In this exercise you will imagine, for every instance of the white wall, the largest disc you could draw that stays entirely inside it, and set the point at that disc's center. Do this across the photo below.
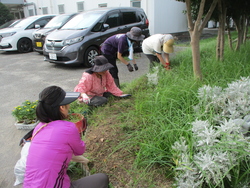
(165, 16)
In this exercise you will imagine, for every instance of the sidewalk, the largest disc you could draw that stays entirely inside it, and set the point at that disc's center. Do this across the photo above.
(184, 37)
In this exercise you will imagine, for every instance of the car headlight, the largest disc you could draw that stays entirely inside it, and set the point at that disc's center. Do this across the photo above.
(7, 34)
(73, 41)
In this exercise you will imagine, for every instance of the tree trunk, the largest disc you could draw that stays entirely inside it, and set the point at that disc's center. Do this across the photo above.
(195, 45)
(195, 29)
(238, 23)
(221, 31)
(245, 30)
(229, 34)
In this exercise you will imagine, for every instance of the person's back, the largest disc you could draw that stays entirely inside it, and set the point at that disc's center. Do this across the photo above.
(114, 44)
(53, 144)
(50, 153)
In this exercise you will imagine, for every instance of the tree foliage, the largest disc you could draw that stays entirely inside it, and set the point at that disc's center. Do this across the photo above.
(5, 14)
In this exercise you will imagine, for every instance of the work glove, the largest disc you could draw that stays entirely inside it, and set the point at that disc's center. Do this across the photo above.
(130, 68)
(167, 66)
(136, 67)
(85, 98)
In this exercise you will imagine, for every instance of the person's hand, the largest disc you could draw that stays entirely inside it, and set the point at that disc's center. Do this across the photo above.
(125, 95)
(167, 66)
(136, 67)
(85, 98)
(130, 68)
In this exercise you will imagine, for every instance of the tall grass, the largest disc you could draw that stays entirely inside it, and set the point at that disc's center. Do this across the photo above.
(164, 112)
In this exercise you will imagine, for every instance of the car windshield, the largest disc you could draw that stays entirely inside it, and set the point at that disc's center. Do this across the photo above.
(10, 23)
(57, 21)
(25, 22)
(83, 21)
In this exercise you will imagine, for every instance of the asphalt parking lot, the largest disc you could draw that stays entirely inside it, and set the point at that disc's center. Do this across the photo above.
(23, 76)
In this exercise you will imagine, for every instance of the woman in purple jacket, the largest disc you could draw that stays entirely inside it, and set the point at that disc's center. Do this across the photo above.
(54, 142)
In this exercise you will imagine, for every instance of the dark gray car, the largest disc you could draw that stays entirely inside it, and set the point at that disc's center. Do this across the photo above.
(79, 40)
(56, 23)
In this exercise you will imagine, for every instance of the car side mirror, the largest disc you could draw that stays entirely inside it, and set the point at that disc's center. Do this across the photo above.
(37, 26)
(105, 27)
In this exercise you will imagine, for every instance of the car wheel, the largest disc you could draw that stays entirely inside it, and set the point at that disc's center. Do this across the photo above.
(89, 56)
(24, 45)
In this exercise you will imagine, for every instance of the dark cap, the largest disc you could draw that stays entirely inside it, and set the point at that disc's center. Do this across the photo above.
(69, 97)
(56, 96)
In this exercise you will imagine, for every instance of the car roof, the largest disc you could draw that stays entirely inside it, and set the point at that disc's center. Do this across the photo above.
(107, 9)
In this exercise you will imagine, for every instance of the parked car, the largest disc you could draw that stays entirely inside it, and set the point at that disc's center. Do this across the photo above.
(79, 40)
(55, 23)
(10, 23)
(19, 37)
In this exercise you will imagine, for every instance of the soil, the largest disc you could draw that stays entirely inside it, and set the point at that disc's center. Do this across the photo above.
(102, 140)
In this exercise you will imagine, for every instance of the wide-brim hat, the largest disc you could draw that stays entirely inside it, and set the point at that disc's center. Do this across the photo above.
(135, 34)
(101, 64)
(168, 46)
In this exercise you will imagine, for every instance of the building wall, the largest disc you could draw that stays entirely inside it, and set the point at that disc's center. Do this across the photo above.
(165, 16)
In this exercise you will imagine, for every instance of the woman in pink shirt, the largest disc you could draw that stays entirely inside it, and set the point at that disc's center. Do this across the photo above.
(54, 142)
(97, 84)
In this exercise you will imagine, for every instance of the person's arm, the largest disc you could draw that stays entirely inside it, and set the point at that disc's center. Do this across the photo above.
(119, 56)
(83, 87)
(111, 86)
(74, 140)
(165, 62)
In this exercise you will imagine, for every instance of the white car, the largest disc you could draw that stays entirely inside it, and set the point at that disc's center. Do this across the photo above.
(19, 38)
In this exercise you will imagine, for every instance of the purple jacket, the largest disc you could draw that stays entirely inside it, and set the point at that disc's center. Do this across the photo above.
(50, 153)
(114, 44)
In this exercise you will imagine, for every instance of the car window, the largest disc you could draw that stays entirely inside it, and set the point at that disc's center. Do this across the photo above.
(83, 21)
(24, 22)
(41, 22)
(113, 20)
(129, 17)
(57, 21)
(97, 27)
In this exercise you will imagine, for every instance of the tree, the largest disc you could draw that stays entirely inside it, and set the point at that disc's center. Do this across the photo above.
(239, 12)
(198, 14)
(5, 14)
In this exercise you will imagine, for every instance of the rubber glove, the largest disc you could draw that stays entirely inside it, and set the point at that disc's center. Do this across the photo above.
(130, 68)
(136, 67)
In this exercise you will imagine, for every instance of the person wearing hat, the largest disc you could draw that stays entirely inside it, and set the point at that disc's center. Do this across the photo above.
(97, 84)
(54, 142)
(157, 49)
(114, 46)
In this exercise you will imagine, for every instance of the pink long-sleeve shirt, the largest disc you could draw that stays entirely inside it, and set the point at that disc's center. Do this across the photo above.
(50, 153)
(94, 86)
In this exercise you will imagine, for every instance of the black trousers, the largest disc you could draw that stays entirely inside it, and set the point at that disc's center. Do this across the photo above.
(153, 60)
(112, 60)
(99, 180)
(100, 100)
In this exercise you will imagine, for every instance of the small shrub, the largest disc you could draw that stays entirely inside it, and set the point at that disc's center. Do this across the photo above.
(26, 113)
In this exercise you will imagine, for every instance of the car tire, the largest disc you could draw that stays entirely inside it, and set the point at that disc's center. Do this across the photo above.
(89, 56)
(24, 45)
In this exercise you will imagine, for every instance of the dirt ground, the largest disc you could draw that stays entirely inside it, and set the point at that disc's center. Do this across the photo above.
(101, 140)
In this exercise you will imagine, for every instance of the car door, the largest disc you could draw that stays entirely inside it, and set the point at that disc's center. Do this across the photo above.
(113, 19)
(129, 19)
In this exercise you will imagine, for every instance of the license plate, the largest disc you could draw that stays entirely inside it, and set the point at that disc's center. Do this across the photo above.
(52, 56)
(38, 44)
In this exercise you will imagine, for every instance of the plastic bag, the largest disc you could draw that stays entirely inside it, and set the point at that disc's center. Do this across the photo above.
(19, 169)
